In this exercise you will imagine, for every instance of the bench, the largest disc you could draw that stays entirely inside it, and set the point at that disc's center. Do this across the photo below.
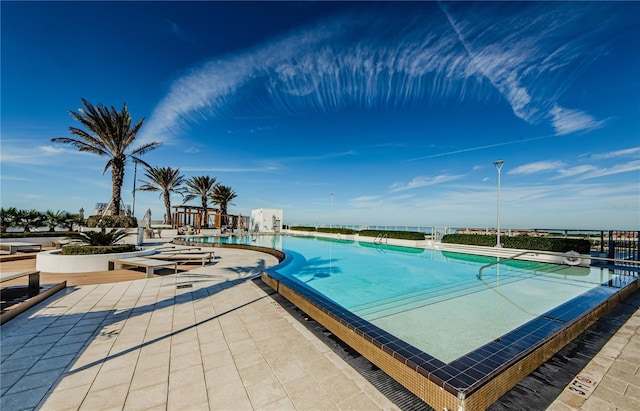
(14, 246)
(34, 279)
(149, 264)
(205, 257)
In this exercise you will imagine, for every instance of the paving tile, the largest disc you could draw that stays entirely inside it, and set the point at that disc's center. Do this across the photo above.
(228, 397)
(307, 395)
(66, 399)
(266, 393)
(23, 400)
(147, 397)
(33, 381)
(107, 399)
(283, 404)
(58, 363)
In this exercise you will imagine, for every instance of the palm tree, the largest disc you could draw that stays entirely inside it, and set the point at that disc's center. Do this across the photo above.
(109, 133)
(222, 196)
(200, 187)
(53, 219)
(29, 219)
(8, 218)
(166, 180)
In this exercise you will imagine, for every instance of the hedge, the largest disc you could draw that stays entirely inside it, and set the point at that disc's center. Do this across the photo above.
(302, 228)
(560, 245)
(38, 234)
(400, 235)
(89, 249)
(120, 221)
(336, 230)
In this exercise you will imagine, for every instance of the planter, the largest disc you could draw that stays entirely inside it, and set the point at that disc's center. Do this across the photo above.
(54, 262)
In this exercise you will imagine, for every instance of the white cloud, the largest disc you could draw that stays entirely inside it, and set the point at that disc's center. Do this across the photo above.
(422, 181)
(629, 152)
(574, 171)
(537, 167)
(566, 121)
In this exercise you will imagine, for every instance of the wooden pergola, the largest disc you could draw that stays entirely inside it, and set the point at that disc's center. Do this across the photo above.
(193, 216)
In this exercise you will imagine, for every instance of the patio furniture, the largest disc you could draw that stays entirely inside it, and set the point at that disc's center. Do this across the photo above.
(14, 246)
(149, 264)
(34, 279)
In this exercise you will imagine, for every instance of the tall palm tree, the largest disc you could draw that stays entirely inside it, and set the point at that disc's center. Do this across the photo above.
(200, 186)
(167, 180)
(222, 196)
(109, 133)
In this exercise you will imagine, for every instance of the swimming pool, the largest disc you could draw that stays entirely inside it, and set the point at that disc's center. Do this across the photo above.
(425, 318)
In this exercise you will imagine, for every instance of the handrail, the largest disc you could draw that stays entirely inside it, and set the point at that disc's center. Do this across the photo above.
(513, 257)
(498, 261)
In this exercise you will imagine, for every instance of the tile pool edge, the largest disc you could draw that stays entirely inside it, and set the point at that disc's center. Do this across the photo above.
(426, 384)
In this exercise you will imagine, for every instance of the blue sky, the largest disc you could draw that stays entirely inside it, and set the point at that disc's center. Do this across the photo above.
(400, 109)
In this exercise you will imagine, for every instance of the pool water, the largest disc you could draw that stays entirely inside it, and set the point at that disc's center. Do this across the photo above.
(430, 299)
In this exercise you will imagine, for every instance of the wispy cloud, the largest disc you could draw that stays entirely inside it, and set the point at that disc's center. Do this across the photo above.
(566, 121)
(537, 167)
(355, 61)
(632, 166)
(422, 181)
(263, 169)
(629, 152)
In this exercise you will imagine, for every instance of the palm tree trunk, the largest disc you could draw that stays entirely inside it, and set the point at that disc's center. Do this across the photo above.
(117, 177)
(205, 223)
(167, 207)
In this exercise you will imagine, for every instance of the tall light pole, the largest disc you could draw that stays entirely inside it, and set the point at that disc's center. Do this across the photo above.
(498, 165)
(331, 215)
(135, 172)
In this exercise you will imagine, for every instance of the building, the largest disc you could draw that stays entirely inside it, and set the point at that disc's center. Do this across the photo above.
(266, 220)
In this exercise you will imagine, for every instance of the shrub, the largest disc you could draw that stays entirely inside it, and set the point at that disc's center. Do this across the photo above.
(121, 221)
(336, 230)
(103, 238)
(302, 228)
(89, 250)
(400, 235)
(560, 245)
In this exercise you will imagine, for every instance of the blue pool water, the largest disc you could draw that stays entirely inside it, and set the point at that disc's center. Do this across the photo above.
(433, 300)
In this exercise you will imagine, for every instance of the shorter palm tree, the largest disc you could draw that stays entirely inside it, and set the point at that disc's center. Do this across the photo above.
(166, 180)
(222, 196)
(53, 219)
(29, 219)
(200, 186)
(8, 218)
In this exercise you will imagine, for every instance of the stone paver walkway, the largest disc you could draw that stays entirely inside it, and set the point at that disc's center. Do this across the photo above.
(611, 380)
(221, 344)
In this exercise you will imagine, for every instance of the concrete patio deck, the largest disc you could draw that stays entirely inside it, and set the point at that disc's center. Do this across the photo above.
(223, 343)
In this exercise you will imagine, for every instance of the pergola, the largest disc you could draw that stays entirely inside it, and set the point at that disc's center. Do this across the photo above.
(193, 216)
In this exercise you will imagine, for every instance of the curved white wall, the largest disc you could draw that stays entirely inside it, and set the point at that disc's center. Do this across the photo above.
(54, 262)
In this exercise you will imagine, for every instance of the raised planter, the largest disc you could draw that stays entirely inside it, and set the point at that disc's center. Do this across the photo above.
(54, 262)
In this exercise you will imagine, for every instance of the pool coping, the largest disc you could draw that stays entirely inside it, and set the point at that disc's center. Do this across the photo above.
(477, 379)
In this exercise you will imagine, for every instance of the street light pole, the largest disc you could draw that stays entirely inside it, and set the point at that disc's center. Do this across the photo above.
(135, 172)
(498, 165)
(331, 216)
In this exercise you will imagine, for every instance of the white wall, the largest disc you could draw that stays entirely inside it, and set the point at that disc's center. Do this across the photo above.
(266, 220)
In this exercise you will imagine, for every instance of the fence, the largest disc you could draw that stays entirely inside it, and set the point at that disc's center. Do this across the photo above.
(617, 244)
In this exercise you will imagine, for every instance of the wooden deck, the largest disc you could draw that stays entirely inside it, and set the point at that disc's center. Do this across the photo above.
(96, 277)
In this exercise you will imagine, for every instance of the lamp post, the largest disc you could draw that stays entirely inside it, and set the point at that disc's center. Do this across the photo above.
(498, 165)
(331, 215)
(135, 172)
